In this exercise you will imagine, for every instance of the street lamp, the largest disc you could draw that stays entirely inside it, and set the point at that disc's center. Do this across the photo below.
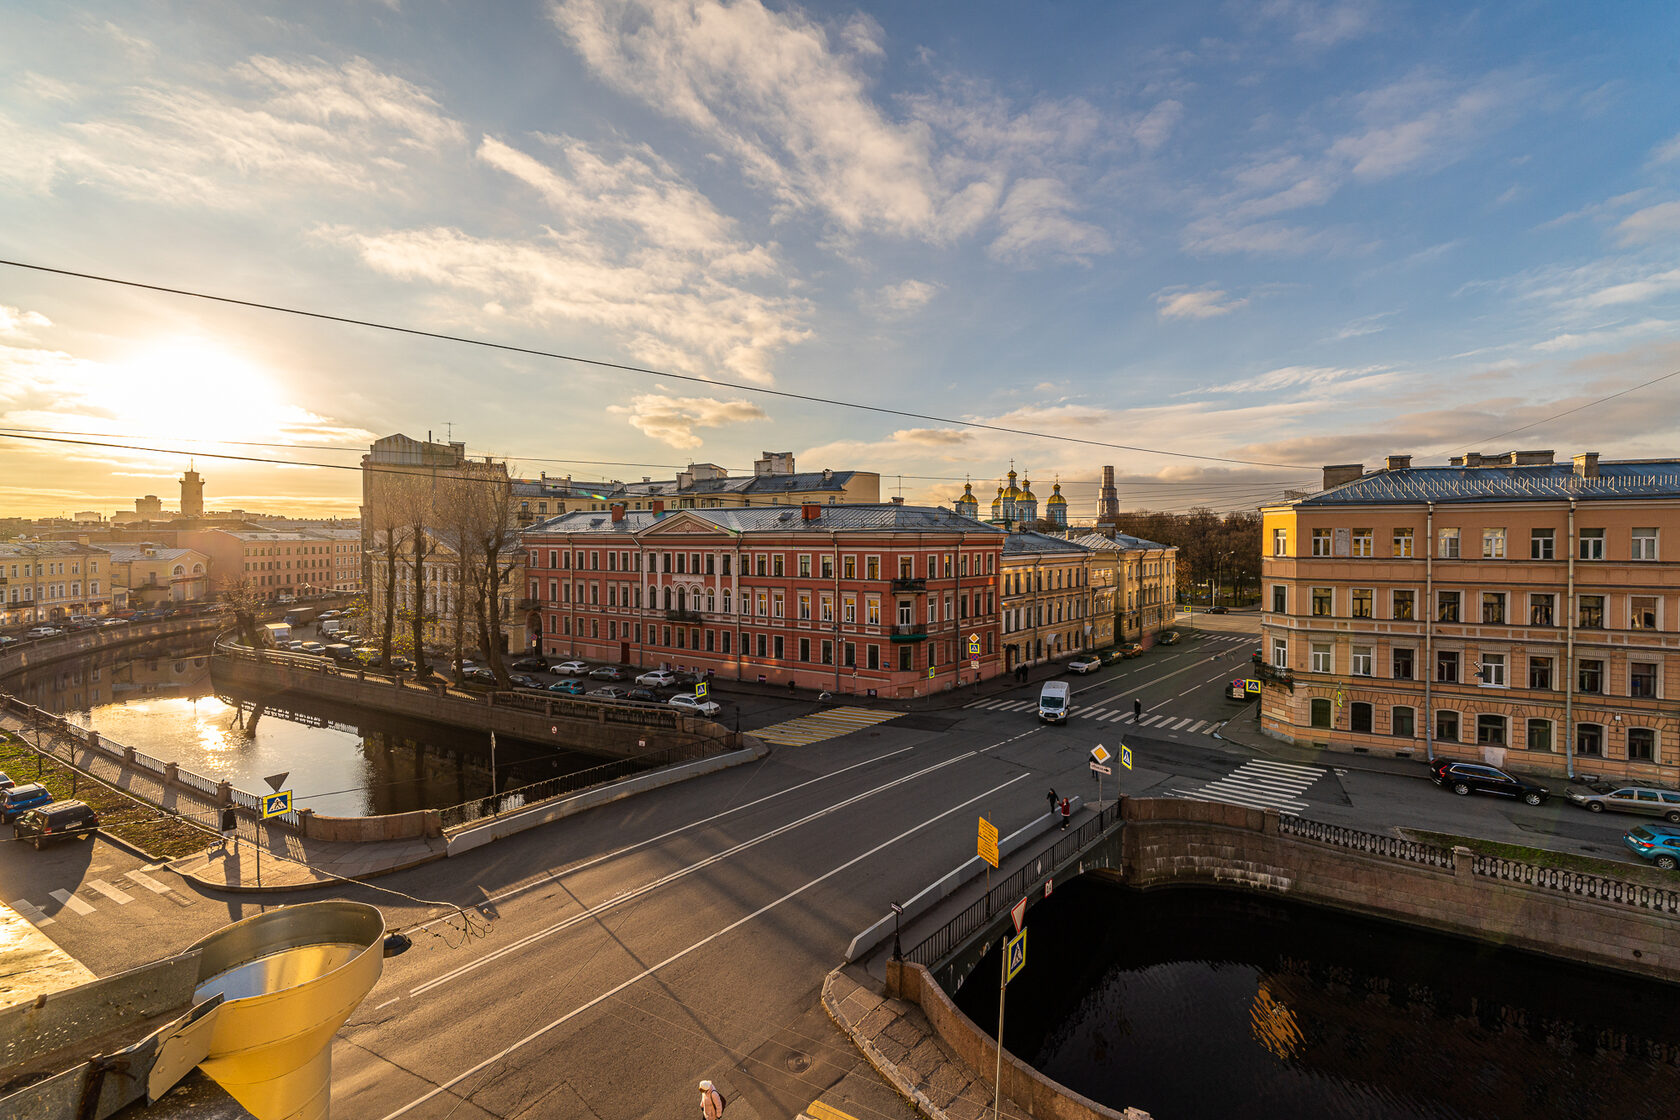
(898, 950)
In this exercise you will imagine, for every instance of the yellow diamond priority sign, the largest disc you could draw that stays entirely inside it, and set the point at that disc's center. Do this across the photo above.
(1100, 754)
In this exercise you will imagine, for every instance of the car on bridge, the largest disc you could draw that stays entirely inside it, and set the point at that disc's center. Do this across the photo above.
(1657, 843)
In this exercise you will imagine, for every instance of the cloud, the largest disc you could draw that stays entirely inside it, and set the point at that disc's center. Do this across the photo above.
(1668, 151)
(1650, 224)
(1582, 340)
(1322, 25)
(1367, 324)
(1316, 378)
(1424, 123)
(1204, 303)
(1036, 218)
(1635, 291)
(932, 437)
(904, 297)
(16, 322)
(672, 420)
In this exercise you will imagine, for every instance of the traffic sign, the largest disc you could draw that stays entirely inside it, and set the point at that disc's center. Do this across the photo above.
(1015, 956)
(1125, 756)
(1018, 914)
(987, 843)
(974, 645)
(274, 804)
(1252, 686)
(931, 671)
(700, 690)
(275, 781)
(974, 664)
(1100, 754)
(1047, 883)
(1099, 768)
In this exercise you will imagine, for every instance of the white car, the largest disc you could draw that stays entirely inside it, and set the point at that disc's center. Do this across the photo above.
(1084, 665)
(44, 632)
(571, 668)
(686, 703)
(657, 678)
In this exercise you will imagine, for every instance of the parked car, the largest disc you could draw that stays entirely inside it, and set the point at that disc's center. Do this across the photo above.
(607, 673)
(1655, 842)
(1219, 610)
(62, 820)
(1084, 665)
(530, 665)
(27, 796)
(6, 781)
(567, 687)
(1664, 803)
(43, 632)
(641, 694)
(1168, 638)
(312, 647)
(339, 651)
(658, 678)
(520, 680)
(1465, 778)
(694, 704)
(1131, 649)
(113, 622)
(328, 615)
(401, 663)
(572, 668)
(482, 676)
(1111, 656)
(607, 692)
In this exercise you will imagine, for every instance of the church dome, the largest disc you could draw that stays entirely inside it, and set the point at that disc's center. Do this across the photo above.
(1056, 498)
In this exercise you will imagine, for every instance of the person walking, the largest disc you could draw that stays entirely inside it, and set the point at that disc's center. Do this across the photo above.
(1067, 813)
(1052, 796)
(711, 1102)
(1137, 709)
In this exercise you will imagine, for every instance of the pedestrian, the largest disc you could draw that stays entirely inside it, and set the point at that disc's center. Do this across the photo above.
(1067, 813)
(711, 1102)
(1137, 709)
(1052, 796)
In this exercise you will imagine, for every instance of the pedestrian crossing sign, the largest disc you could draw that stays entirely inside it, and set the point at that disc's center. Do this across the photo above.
(1015, 958)
(274, 804)
(700, 690)
(1125, 756)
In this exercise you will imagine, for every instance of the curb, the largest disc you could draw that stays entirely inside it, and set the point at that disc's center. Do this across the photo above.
(901, 1085)
(242, 888)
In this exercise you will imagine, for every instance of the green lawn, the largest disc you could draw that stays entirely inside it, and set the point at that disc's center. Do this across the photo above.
(1544, 857)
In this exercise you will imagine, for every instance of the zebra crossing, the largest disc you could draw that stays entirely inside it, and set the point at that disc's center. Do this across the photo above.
(1160, 721)
(818, 726)
(1261, 784)
(94, 894)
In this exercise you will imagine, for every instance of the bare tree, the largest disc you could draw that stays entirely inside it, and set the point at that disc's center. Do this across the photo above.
(489, 549)
(246, 601)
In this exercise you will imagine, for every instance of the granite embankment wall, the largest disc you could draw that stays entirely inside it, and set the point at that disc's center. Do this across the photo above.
(65, 647)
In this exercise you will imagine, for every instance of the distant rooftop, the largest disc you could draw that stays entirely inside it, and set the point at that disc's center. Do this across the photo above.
(775, 519)
(1512, 476)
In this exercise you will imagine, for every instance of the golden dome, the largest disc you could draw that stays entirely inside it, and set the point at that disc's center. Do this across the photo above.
(1012, 491)
(1056, 498)
(1026, 494)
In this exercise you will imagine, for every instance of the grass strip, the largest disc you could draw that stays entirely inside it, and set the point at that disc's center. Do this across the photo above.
(1541, 857)
(144, 825)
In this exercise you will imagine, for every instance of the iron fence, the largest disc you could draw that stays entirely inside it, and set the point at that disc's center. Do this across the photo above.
(198, 781)
(147, 762)
(1600, 887)
(564, 785)
(1372, 843)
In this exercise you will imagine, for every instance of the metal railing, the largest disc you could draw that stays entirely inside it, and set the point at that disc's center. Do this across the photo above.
(1603, 888)
(947, 938)
(198, 781)
(147, 762)
(564, 785)
(1372, 843)
(909, 583)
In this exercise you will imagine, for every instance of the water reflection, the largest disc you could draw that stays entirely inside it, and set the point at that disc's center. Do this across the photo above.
(1196, 1004)
(159, 699)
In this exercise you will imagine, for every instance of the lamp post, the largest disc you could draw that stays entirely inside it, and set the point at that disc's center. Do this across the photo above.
(898, 950)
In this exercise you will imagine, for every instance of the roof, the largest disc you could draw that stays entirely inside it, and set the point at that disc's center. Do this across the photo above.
(774, 519)
(769, 485)
(127, 552)
(1021, 544)
(1631, 478)
(1120, 542)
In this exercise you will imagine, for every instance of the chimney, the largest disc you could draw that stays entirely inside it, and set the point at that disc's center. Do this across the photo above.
(658, 507)
(617, 512)
(1586, 465)
(1345, 472)
(1397, 463)
(1532, 458)
(898, 499)
(810, 511)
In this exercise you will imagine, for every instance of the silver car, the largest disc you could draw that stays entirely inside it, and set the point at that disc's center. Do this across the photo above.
(1664, 803)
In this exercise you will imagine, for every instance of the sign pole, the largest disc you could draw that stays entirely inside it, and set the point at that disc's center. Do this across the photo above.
(997, 1073)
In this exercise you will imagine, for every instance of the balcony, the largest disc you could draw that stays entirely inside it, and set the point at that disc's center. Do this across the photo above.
(682, 614)
(912, 632)
(529, 604)
(909, 583)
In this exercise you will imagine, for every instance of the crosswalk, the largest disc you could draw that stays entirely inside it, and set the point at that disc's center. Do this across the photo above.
(1160, 721)
(94, 895)
(818, 726)
(1261, 784)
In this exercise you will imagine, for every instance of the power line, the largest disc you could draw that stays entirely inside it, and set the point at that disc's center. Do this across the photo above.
(599, 363)
(1569, 411)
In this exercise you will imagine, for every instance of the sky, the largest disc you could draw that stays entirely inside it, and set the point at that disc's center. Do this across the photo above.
(1231, 241)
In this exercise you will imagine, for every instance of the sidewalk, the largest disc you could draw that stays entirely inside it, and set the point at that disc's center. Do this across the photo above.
(291, 863)
(1244, 731)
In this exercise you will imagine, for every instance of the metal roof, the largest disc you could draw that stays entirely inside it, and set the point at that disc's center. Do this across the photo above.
(1120, 542)
(1020, 544)
(775, 519)
(1636, 478)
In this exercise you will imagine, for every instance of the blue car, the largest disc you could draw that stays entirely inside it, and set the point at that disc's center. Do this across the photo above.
(568, 688)
(1656, 843)
(27, 796)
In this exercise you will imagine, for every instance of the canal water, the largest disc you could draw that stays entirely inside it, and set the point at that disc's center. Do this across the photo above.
(1197, 1004)
(158, 698)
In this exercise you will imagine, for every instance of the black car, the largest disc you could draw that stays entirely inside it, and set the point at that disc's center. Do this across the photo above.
(641, 694)
(62, 820)
(520, 680)
(1218, 610)
(1465, 778)
(531, 665)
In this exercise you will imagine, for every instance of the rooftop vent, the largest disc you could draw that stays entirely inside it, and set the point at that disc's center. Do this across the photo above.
(1397, 463)
(1344, 472)
(1586, 465)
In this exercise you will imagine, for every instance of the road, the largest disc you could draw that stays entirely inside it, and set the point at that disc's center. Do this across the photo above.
(617, 957)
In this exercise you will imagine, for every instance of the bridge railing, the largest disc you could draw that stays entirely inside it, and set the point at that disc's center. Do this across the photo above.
(563, 785)
(1372, 843)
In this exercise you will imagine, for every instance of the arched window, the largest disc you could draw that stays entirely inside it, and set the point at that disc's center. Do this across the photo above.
(711, 602)
(178, 571)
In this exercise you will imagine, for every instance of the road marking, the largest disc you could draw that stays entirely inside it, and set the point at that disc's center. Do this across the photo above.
(1196, 728)
(1261, 784)
(702, 943)
(388, 1003)
(1181, 725)
(74, 903)
(34, 913)
(148, 882)
(1147, 720)
(819, 726)
(817, 1110)
(120, 897)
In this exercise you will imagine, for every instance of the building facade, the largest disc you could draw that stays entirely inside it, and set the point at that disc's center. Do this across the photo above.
(851, 598)
(1504, 608)
(152, 575)
(1049, 609)
(1145, 579)
(51, 581)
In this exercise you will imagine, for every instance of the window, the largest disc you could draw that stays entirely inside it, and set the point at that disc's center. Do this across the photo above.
(1492, 669)
(1280, 653)
(828, 567)
(1493, 544)
(1401, 722)
(1589, 675)
(1542, 544)
(1591, 616)
(1321, 713)
(1644, 544)
(805, 573)
(1321, 657)
(1449, 544)
(1592, 544)
(1446, 606)
(1361, 666)
(1280, 599)
(1359, 717)
(776, 564)
(1540, 609)
(1405, 604)
(848, 609)
(1361, 607)
(1362, 539)
(1539, 734)
(1280, 542)
(1493, 606)
(848, 567)
(805, 605)
(1642, 679)
(1589, 740)
(1403, 542)
(1401, 659)
(1642, 744)
(1539, 672)
(804, 649)
(1321, 542)
(1446, 666)
(1446, 727)
(1321, 600)
(872, 570)
(1490, 731)
(1642, 612)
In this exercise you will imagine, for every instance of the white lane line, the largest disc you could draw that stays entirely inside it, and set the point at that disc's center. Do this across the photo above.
(1313, 772)
(1116, 716)
(1180, 725)
(148, 882)
(1098, 713)
(388, 1003)
(707, 940)
(32, 912)
(74, 903)
(120, 897)
(1147, 720)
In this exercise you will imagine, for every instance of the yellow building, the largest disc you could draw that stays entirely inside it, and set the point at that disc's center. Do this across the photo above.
(151, 575)
(51, 581)
(1145, 579)
(1048, 600)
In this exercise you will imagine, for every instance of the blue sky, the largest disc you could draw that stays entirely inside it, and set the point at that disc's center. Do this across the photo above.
(1287, 233)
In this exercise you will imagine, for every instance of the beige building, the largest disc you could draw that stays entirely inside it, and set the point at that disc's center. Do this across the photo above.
(1503, 608)
(445, 608)
(1047, 597)
(1146, 581)
(51, 581)
(151, 575)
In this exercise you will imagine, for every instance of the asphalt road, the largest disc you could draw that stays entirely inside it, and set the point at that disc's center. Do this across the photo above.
(615, 958)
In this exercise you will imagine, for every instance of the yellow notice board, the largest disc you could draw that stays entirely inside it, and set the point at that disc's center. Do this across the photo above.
(988, 842)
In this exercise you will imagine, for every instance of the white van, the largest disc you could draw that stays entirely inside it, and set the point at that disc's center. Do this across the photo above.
(330, 626)
(1054, 702)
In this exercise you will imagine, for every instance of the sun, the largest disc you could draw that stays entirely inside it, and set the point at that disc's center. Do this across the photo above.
(194, 389)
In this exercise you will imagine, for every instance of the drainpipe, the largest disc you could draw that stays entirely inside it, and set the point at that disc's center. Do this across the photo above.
(835, 607)
(1568, 606)
(1429, 633)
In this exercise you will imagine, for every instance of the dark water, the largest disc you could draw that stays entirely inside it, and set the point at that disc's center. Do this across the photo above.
(158, 698)
(1214, 1005)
